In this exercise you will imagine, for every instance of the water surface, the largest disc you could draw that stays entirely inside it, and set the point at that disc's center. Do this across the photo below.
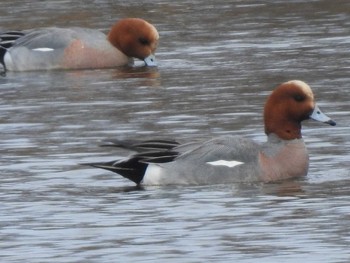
(218, 62)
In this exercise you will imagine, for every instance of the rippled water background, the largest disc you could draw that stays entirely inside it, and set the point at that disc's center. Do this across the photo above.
(218, 61)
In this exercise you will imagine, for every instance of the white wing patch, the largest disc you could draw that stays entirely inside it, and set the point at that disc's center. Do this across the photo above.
(225, 163)
(43, 49)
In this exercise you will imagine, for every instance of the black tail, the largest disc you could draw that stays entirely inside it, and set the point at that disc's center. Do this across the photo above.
(134, 168)
(7, 39)
(131, 169)
(2, 62)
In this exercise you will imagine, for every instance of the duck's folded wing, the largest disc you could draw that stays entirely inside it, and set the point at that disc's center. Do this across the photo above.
(223, 148)
(46, 38)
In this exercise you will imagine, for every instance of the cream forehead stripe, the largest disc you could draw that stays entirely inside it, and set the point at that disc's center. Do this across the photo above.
(155, 32)
(225, 163)
(303, 86)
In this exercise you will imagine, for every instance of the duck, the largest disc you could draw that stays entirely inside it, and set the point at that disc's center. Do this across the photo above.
(79, 48)
(229, 158)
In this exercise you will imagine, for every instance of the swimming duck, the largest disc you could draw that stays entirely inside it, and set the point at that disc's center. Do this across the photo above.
(79, 48)
(229, 158)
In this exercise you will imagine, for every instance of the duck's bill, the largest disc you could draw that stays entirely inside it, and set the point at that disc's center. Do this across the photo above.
(150, 61)
(318, 115)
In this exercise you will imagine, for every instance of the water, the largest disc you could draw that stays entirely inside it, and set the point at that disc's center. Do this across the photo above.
(218, 61)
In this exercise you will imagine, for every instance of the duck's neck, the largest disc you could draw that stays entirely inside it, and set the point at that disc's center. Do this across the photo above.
(284, 129)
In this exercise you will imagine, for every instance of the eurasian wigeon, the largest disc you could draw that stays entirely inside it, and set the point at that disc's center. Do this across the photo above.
(79, 48)
(228, 158)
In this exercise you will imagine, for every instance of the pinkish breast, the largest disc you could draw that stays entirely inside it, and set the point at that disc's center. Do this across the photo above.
(290, 160)
(79, 55)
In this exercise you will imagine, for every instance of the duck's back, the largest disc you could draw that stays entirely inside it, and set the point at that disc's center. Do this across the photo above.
(226, 159)
(66, 48)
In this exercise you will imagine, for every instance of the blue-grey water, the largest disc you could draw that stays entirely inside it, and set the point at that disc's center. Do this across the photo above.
(218, 61)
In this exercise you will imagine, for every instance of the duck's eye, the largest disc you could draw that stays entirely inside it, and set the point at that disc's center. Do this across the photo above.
(299, 98)
(144, 41)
